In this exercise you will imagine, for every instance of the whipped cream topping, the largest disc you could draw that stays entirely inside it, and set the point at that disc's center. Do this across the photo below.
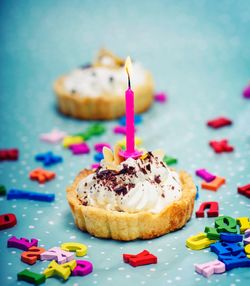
(94, 81)
(138, 185)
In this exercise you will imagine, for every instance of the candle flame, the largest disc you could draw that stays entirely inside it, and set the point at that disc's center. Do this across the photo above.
(128, 66)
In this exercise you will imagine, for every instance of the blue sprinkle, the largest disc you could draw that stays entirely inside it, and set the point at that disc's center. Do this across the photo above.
(22, 194)
(98, 157)
(197, 193)
(48, 158)
(138, 120)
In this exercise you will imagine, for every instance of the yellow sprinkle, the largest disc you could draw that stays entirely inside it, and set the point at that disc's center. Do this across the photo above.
(144, 156)
(122, 142)
(70, 140)
(79, 248)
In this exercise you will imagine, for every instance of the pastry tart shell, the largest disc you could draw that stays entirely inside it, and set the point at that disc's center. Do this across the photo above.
(104, 106)
(130, 226)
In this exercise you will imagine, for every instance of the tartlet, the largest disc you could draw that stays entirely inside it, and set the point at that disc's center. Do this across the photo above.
(96, 91)
(126, 225)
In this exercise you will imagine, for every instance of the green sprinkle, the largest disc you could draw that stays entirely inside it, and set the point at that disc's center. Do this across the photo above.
(31, 277)
(169, 160)
(2, 190)
(85, 136)
(212, 233)
(96, 129)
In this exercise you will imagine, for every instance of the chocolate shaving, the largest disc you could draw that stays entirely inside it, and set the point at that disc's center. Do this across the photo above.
(106, 174)
(121, 191)
(131, 185)
(127, 170)
(157, 179)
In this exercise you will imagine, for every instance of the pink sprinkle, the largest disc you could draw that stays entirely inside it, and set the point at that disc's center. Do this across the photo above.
(54, 136)
(99, 146)
(246, 92)
(81, 148)
(95, 166)
(160, 97)
(204, 174)
(120, 130)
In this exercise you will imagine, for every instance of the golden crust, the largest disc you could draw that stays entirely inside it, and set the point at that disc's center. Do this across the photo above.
(127, 226)
(105, 106)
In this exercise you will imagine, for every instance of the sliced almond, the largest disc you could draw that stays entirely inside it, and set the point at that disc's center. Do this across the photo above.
(107, 154)
(159, 153)
(117, 158)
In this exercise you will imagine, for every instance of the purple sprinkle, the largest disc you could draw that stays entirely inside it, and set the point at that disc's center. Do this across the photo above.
(120, 130)
(204, 174)
(99, 146)
(81, 148)
(160, 97)
(95, 166)
(246, 92)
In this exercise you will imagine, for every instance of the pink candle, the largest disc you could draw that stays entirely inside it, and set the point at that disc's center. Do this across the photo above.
(130, 124)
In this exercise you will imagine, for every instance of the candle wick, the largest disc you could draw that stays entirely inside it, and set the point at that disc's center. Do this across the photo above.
(129, 84)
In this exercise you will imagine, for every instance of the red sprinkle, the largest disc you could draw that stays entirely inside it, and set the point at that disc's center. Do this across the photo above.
(213, 209)
(7, 221)
(219, 122)
(9, 154)
(221, 146)
(244, 190)
(142, 258)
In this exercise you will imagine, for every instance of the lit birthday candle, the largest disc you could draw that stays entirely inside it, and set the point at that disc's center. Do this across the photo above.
(130, 124)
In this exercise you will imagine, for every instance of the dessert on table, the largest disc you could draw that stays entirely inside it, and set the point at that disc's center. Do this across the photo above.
(134, 198)
(96, 91)
(133, 194)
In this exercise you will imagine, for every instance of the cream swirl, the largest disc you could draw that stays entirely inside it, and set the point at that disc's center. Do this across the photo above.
(138, 185)
(94, 81)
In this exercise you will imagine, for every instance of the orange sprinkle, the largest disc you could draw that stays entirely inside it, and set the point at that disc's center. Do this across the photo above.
(213, 185)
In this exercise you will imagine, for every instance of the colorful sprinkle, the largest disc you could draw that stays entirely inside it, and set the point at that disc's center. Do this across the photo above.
(81, 148)
(160, 97)
(48, 158)
(246, 92)
(219, 122)
(54, 136)
(99, 146)
(9, 154)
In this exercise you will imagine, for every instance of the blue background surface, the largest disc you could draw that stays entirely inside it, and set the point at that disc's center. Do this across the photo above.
(198, 51)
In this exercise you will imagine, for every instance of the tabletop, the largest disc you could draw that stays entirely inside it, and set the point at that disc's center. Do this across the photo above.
(198, 52)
